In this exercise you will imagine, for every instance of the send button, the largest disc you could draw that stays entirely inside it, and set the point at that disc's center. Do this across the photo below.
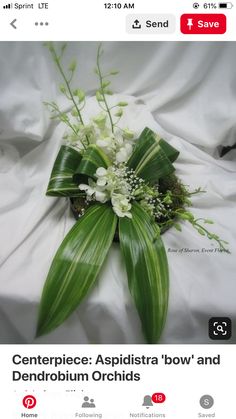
(150, 24)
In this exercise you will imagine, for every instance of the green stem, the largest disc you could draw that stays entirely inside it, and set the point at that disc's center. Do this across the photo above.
(196, 192)
(115, 125)
(118, 120)
(196, 225)
(57, 61)
(60, 114)
(104, 109)
(102, 90)
(83, 106)
(67, 82)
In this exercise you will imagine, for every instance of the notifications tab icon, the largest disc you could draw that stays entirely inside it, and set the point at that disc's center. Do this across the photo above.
(203, 24)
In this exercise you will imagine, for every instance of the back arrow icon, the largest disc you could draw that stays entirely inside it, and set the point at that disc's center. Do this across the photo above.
(13, 23)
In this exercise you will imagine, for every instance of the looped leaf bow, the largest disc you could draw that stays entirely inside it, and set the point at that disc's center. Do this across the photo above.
(78, 261)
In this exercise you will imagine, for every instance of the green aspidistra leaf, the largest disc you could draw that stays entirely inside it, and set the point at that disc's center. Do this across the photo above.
(169, 150)
(75, 266)
(61, 180)
(148, 159)
(93, 158)
(147, 270)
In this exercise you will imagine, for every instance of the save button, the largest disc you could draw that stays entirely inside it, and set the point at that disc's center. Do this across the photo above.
(203, 24)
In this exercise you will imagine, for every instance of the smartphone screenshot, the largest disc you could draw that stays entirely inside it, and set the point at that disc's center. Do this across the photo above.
(117, 211)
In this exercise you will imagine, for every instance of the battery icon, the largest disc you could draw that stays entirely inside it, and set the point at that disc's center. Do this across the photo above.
(227, 5)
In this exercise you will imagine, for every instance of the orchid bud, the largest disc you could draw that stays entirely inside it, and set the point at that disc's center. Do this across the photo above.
(74, 112)
(108, 92)
(128, 134)
(114, 72)
(80, 94)
(72, 66)
(100, 120)
(119, 113)
(122, 104)
(62, 88)
(106, 83)
(99, 97)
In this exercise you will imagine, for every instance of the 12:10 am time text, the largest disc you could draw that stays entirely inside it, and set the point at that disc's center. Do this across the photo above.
(119, 5)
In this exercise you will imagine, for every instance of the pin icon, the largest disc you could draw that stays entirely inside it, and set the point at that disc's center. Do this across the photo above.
(29, 402)
(190, 24)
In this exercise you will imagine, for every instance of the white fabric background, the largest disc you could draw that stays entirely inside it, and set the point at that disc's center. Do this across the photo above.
(184, 91)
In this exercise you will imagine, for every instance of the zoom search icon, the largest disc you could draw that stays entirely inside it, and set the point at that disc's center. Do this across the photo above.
(29, 402)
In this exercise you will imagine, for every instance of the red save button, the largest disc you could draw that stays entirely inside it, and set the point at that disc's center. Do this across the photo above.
(203, 24)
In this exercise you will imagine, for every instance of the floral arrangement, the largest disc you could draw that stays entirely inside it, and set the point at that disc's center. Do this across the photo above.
(121, 188)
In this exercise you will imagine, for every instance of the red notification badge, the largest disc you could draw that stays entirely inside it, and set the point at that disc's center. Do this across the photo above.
(158, 398)
(203, 24)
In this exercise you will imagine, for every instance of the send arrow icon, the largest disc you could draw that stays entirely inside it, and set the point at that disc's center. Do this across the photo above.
(136, 24)
(13, 23)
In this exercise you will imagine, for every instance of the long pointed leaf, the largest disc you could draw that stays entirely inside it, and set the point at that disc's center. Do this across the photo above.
(76, 265)
(147, 270)
(169, 150)
(93, 158)
(149, 159)
(61, 180)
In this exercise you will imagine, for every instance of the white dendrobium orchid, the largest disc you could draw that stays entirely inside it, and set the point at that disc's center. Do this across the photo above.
(121, 205)
(107, 144)
(101, 171)
(119, 140)
(100, 120)
(101, 196)
(94, 190)
(110, 185)
(87, 188)
(116, 143)
(124, 153)
(101, 174)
